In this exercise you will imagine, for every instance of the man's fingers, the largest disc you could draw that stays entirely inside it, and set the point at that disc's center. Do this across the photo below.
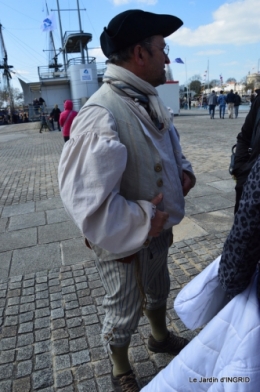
(157, 199)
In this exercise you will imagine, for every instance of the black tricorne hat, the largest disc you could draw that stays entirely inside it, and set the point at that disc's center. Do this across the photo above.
(132, 26)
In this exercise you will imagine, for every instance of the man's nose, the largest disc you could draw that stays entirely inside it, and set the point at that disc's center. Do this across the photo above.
(167, 60)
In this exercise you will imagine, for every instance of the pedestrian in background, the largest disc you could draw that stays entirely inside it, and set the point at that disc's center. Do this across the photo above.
(231, 102)
(237, 102)
(55, 116)
(222, 100)
(212, 102)
(66, 118)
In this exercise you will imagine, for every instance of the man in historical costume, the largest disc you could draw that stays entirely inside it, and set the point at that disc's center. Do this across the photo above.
(123, 179)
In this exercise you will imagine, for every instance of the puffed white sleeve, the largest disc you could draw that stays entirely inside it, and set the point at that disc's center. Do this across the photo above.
(90, 170)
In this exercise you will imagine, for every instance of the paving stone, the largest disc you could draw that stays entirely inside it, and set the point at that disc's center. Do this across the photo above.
(74, 322)
(41, 347)
(17, 240)
(80, 357)
(42, 294)
(26, 327)
(22, 385)
(6, 386)
(84, 372)
(5, 258)
(25, 339)
(25, 221)
(62, 361)
(64, 378)
(49, 204)
(76, 332)
(57, 215)
(18, 209)
(69, 388)
(58, 232)
(75, 251)
(43, 361)
(3, 224)
(28, 316)
(42, 312)
(69, 289)
(7, 356)
(42, 303)
(56, 296)
(57, 313)
(8, 343)
(24, 308)
(42, 378)
(60, 334)
(102, 367)
(56, 304)
(58, 323)
(90, 319)
(27, 298)
(87, 386)
(24, 353)
(12, 310)
(61, 346)
(99, 353)
(24, 369)
(78, 344)
(6, 371)
(44, 256)
(42, 334)
(104, 384)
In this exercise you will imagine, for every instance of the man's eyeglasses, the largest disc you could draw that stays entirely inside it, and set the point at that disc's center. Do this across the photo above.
(165, 49)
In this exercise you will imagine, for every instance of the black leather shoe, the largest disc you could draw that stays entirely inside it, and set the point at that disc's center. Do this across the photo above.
(125, 382)
(172, 344)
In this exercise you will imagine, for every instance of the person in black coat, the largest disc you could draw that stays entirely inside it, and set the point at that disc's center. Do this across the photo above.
(55, 116)
(230, 101)
(241, 165)
(237, 102)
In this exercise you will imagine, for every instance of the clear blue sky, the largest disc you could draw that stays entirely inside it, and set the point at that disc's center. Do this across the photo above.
(223, 34)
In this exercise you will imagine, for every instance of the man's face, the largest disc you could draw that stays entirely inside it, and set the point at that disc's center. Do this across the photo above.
(155, 64)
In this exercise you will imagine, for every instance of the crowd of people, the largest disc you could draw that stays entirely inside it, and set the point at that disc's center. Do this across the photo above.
(231, 101)
(63, 119)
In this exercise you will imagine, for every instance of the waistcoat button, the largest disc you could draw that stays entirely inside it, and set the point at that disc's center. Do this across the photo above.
(159, 182)
(147, 242)
(158, 167)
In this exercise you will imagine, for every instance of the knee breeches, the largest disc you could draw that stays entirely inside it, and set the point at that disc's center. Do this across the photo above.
(126, 285)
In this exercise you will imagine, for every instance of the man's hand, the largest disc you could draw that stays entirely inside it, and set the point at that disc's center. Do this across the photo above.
(159, 219)
(186, 183)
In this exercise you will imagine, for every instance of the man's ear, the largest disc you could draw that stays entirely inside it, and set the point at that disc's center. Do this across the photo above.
(139, 54)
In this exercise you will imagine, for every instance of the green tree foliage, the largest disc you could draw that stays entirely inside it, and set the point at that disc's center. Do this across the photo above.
(195, 86)
(231, 80)
(16, 94)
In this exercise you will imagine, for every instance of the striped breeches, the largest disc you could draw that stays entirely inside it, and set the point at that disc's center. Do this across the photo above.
(126, 285)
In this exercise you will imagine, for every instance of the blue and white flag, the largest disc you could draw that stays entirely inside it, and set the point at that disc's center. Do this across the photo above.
(179, 61)
(49, 23)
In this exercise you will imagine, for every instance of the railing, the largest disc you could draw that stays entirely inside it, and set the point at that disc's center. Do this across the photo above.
(49, 73)
(79, 60)
(101, 69)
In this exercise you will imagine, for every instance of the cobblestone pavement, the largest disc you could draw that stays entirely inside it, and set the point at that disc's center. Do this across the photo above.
(50, 292)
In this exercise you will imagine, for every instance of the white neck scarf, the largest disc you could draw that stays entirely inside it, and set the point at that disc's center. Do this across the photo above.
(136, 87)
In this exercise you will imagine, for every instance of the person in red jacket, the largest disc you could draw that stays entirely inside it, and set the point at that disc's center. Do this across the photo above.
(66, 118)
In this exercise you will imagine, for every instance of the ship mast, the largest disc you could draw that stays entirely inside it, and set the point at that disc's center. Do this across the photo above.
(6, 73)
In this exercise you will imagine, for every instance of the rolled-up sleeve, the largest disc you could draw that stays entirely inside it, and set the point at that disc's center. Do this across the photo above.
(90, 170)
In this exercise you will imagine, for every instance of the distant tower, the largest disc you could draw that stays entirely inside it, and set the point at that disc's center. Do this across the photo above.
(169, 76)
